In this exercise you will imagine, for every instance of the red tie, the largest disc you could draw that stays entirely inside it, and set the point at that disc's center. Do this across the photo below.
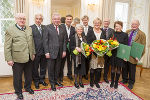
(57, 29)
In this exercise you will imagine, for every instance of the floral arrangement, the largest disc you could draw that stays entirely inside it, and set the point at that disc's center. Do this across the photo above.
(113, 44)
(85, 49)
(100, 47)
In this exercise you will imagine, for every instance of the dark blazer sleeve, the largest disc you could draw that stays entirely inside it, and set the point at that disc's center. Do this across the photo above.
(125, 38)
(45, 40)
(103, 35)
(72, 43)
(64, 42)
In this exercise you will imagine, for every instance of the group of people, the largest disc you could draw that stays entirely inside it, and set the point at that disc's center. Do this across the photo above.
(34, 49)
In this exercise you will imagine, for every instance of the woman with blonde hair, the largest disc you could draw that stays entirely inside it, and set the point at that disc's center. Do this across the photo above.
(97, 63)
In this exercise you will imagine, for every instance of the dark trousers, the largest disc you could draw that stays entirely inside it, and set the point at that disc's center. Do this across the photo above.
(95, 75)
(18, 69)
(87, 64)
(69, 65)
(39, 61)
(128, 72)
(106, 66)
(53, 69)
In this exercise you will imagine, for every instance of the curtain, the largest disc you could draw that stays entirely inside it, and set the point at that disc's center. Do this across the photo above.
(146, 58)
(44, 9)
(107, 8)
(20, 6)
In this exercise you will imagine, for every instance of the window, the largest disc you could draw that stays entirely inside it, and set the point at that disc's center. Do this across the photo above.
(7, 8)
(121, 13)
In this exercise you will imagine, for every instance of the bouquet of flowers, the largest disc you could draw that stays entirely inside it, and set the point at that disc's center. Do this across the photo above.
(85, 49)
(113, 44)
(100, 47)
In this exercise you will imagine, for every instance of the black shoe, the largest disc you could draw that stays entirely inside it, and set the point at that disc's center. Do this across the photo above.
(59, 84)
(19, 96)
(116, 85)
(53, 87)
(106, 80)
(97, 85)
(36, 85)
(70, 77)
(30, 91)
(76, 85)
(81, 84)
(43, 83)
(85, 77)
(61, 79)
(91, 84)
(124, 82)
(130, 86)
(112, 84)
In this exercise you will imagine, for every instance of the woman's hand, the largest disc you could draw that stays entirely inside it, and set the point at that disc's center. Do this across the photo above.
(78, 49)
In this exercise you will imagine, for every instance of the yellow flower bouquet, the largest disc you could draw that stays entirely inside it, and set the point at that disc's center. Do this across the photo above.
(86, 49)
(100, 47)
(113, 44)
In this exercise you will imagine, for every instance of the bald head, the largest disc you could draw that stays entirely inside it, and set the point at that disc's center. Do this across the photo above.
(135, 24)
(106, 22)
(20, 19)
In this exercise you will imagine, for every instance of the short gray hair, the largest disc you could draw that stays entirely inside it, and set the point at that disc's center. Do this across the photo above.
(20, 15)
(56, 14)
(79, 26)
(39, 15)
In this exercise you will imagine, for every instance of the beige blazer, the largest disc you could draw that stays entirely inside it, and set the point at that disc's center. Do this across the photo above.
(140, 38)
(18, 45)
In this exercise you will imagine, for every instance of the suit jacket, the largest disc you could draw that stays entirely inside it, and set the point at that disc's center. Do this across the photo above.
(19, 45)
(103, 36)
(140, 38)
(110, 33)
(38, 39)
(54, 43)
(72, 32)
(89, 35)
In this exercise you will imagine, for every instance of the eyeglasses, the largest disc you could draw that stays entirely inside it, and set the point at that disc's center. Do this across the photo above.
(21, 18)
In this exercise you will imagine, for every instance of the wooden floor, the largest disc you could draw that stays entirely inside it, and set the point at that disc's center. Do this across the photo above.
(141, 87)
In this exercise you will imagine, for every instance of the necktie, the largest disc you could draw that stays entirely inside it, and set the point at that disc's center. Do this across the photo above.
(106, 32)
(130, 38)
(57, 29)
(85, 30)
(40, 30)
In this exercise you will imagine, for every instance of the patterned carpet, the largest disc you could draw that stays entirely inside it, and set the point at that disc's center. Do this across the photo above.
(71, 93)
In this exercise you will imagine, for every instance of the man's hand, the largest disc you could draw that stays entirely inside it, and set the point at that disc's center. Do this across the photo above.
(64, 54)
(33, 57)
(10, 63)
(47, 55)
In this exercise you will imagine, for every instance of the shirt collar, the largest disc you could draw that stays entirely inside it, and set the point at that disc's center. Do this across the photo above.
(67, 26)
(19, 27)
(38, 25)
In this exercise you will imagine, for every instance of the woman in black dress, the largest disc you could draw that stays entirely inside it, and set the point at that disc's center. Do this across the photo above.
(79, 60)
(117, 63)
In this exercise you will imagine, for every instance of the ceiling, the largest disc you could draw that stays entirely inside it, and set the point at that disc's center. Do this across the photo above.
(65, 2)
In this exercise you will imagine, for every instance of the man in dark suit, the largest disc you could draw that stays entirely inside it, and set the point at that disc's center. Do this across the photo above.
(89, 33)
(69, 30)
(40, 59)
(55, 49)
(19, 52)
(109, 33)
